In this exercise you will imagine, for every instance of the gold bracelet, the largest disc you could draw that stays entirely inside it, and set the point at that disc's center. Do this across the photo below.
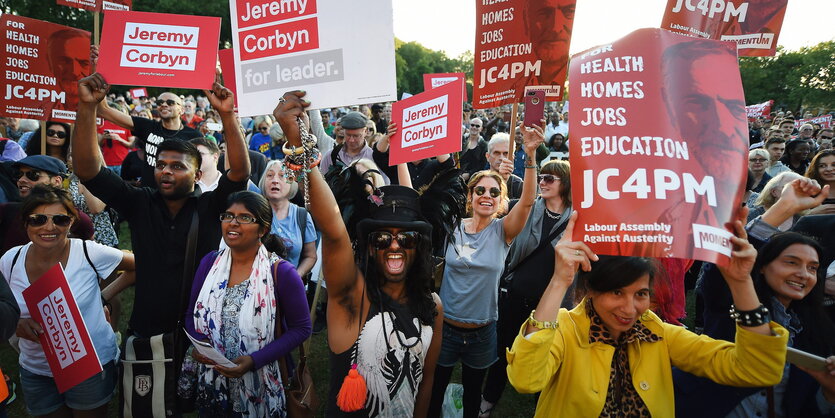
(542, 324)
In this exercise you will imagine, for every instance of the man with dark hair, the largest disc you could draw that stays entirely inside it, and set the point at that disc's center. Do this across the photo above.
(776, 146)
(380, 122)
(162, 220)
(150, 133)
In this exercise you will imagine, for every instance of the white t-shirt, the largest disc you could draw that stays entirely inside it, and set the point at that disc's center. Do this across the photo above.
(85, 288)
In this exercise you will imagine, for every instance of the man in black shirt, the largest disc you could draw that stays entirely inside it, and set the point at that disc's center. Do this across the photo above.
(149, 133)
(160, 219)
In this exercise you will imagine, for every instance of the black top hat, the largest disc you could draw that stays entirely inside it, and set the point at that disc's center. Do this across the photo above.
(394, 207)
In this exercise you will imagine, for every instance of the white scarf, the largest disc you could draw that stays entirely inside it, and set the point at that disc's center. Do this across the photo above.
(256, 321)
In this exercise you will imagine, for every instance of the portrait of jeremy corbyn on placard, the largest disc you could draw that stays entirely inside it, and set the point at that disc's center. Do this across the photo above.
(548, 24)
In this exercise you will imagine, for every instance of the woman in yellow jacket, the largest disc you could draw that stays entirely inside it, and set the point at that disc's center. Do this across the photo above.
(611, 356)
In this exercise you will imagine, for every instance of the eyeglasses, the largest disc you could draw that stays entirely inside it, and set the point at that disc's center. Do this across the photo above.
(475, 126)
(264, 128)
(57, 134)
(242, 219)
(168, 102)
(31, 175)
(494, 191)
(826, 137)
(382, 239)
(757, 160)
(41, 219)
(547, 178)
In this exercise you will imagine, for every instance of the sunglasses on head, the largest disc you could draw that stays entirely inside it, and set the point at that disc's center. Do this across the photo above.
(57, 134)
(494, 191)
(168, 102)
(31, 175)
(40, 220)
(547, 178)
(242, 219)
(407, 240)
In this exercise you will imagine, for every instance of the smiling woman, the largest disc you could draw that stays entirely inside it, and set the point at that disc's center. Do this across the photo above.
(48, 213)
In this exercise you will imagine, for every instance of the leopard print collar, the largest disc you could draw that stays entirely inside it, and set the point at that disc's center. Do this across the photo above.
(599, 333)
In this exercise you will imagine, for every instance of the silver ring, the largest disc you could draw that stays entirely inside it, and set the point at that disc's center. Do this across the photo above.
(576, 252)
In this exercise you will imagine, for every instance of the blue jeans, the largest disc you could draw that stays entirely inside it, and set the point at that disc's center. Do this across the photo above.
(475, 348)
(41, 394)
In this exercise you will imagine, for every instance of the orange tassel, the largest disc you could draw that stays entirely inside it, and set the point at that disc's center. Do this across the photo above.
(352, 394)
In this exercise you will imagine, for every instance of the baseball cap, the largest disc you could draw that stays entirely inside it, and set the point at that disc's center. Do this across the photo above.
(353, 120)
(45, 163)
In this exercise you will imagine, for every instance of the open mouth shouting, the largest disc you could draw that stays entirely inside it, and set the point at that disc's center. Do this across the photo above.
(395, 263)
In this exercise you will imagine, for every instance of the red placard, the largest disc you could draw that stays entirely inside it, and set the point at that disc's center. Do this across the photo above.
(825, 121)
(520, 43)
(431, 81)
(140, 92)
(65, 340)
(428, 124)
(41, 65)
(226, 57)
(660, 145)
(759, 110)
(97, 5)
(753, 25)
(157, 49)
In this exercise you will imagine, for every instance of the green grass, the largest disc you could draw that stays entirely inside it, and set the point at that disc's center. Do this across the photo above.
(512, 404)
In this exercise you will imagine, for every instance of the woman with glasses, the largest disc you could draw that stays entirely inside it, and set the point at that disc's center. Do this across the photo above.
(474, 262)
(242, 298)
(529, 266)
(48, 213)
(57, 141)
(758, 163)
(260, 140)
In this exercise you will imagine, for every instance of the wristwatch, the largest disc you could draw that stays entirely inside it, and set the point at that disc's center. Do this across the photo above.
(542, 324)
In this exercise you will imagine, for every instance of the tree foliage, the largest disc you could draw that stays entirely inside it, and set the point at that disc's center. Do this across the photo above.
(413, 60)
(793, 79)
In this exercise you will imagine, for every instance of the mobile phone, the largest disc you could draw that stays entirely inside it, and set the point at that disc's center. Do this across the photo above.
(807, 360)
(534, 107)
(214, 126)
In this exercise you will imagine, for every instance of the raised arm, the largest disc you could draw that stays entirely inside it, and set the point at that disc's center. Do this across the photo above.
(223, 101)
(798, 195)
(87, 158)
(323, 140)
(515, 220)
(338, 267)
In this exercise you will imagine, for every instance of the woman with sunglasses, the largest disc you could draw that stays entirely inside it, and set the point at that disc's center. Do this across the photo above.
(474, 262)
(47, 214)
(241, 299)
(260, 140)
(528, 269)
(57, 141)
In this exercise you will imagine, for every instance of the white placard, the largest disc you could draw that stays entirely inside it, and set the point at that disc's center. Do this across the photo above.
(313, 45)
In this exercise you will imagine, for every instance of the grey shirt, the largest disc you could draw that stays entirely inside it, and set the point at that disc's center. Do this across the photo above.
(474, 263)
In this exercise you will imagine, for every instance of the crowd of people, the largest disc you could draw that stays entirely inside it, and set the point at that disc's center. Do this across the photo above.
(462, 258)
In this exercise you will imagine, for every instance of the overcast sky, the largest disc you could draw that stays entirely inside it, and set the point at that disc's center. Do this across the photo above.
(449, 25)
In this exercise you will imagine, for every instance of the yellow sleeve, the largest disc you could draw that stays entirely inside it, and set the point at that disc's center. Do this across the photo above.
(533, 361)
(755, 360)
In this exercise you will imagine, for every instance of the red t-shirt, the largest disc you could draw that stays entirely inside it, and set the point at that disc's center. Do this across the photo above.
(114, 152)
